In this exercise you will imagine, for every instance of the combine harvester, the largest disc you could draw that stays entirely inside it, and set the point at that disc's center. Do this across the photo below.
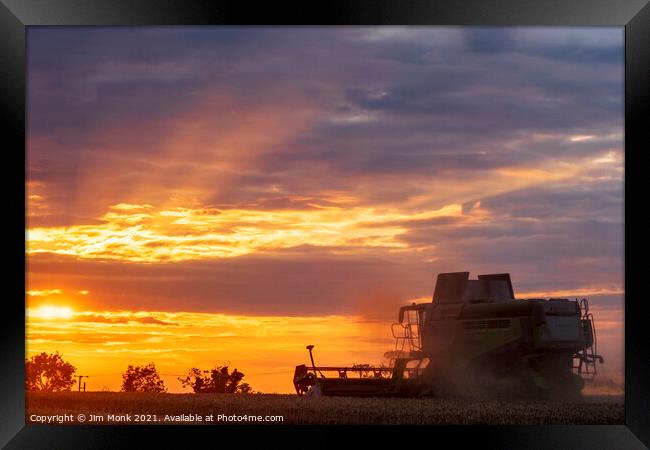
(474, 335)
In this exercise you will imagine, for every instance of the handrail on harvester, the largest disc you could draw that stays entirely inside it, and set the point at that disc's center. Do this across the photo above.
(342, 370)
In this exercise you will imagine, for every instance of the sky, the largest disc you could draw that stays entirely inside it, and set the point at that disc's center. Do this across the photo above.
(204, 195)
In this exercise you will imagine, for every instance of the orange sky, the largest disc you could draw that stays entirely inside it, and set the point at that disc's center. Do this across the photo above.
(202, 196)
(265, 348)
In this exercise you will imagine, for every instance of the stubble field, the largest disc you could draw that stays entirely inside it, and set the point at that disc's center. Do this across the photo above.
(98, 408)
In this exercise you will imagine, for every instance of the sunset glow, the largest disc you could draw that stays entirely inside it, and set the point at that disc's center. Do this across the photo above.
(263, 347)
(51, 312)
(141, 234)
(201, 196)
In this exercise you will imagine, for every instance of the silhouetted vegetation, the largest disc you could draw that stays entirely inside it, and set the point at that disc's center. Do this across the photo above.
(48, 372)
(142, 379)
(217, 380)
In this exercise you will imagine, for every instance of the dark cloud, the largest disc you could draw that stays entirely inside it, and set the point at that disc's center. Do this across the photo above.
(586, 201)
(109, 102)
(490, 40)
(292, 283)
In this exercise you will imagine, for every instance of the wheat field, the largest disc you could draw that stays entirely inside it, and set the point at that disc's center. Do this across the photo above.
(165, 409)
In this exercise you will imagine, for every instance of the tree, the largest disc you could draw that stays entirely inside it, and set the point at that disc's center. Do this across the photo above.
(142, 379)
(48, 372)
(217, 380)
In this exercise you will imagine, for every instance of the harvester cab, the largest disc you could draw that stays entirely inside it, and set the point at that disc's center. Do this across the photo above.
(473, 327)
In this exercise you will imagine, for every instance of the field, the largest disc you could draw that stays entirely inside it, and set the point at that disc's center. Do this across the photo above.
(166, 409)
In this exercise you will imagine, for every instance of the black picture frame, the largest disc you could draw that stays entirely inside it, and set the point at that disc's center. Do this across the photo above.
(16, 15)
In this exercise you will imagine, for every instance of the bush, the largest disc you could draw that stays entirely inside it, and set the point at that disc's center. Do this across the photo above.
(142, 379)
(217, 380)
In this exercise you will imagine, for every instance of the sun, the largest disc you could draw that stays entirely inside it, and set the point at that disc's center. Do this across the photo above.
(52, 312)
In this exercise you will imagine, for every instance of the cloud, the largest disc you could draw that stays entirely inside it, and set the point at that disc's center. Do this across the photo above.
(43, 292)
(140, 233)
(308, 160)
(490, 40)
(221, 115)
(123, 319)
(316, 282)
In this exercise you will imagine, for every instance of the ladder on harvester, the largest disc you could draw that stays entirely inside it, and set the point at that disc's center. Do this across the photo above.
(407, 332)
(584, 360)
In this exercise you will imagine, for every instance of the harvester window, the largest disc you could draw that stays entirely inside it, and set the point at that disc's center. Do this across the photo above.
(415, 367)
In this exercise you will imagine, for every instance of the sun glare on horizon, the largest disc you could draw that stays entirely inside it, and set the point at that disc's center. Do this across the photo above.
(51, 312)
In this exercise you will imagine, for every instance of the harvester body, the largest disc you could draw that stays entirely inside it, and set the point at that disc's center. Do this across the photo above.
(473, 335)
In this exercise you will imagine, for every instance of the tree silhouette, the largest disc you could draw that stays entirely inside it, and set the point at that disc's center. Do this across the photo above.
(48, 372)
(217, 380)
(142, 379)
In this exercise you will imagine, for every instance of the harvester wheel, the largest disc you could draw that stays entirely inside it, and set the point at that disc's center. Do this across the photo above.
(534, 384)
(562, 384)
(303, 384)
(570, 389)
(315, 391)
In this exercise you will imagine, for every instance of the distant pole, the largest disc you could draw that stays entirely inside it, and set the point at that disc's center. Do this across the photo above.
(80, 377)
